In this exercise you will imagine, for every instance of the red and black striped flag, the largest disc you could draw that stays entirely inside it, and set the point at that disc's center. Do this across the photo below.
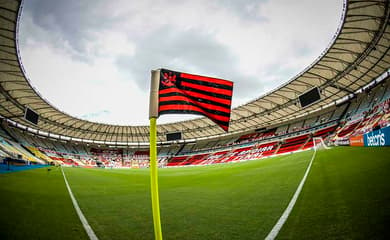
(193, 94)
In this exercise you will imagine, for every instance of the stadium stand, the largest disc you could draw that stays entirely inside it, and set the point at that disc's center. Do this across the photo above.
(177, 160)
(366, 111)
(293, 144)
(369, 109)
(17, 151)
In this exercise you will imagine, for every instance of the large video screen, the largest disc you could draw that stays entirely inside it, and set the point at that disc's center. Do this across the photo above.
(174, 136)
(31, 116)
(309, 97)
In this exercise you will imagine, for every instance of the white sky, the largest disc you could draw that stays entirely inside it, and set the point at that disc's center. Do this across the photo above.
(92, 59)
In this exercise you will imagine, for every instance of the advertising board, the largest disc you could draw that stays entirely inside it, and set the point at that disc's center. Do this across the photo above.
(377, 138)
(357, 141)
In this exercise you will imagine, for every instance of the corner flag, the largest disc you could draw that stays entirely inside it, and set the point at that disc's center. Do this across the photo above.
(193, 94)
(176, 92)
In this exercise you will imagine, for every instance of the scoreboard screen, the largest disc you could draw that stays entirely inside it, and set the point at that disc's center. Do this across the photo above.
(31, 116)
(174, 136)
(309, 97)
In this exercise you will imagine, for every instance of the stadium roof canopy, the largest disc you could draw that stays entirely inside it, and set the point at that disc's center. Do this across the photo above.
(358, 54)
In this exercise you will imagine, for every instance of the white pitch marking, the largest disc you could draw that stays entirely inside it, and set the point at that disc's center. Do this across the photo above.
(275, 230)
(83, 220)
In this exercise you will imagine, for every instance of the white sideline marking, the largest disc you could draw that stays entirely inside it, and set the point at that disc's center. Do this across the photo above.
(275, 230)
(83, 220)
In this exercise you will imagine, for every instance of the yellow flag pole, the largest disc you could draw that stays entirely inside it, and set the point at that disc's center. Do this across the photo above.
(153, 114)
(154, 181)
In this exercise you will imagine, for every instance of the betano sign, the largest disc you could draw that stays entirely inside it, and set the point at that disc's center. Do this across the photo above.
(377, 138)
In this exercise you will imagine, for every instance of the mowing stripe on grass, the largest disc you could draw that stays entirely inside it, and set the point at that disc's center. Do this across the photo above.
(83, 220)
(278, 226)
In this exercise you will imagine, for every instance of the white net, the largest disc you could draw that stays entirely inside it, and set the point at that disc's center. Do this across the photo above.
(318, 143)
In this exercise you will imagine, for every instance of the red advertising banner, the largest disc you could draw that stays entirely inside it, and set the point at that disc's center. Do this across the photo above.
(357, 141)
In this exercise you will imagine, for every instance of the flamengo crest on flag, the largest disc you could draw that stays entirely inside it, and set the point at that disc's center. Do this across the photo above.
(192, 94)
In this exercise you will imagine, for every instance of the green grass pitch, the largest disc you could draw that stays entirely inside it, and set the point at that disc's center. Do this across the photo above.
(346, 196)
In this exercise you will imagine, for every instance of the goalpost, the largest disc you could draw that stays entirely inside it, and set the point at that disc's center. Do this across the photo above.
(318, 144)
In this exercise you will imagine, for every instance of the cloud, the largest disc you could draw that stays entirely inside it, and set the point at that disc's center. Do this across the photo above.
(190, 51)
(245, 9)
(100, 53)
(95, 115)
(69, 22)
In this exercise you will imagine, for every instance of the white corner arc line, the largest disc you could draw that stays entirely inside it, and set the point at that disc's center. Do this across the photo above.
(83, 220)
(278, 226)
